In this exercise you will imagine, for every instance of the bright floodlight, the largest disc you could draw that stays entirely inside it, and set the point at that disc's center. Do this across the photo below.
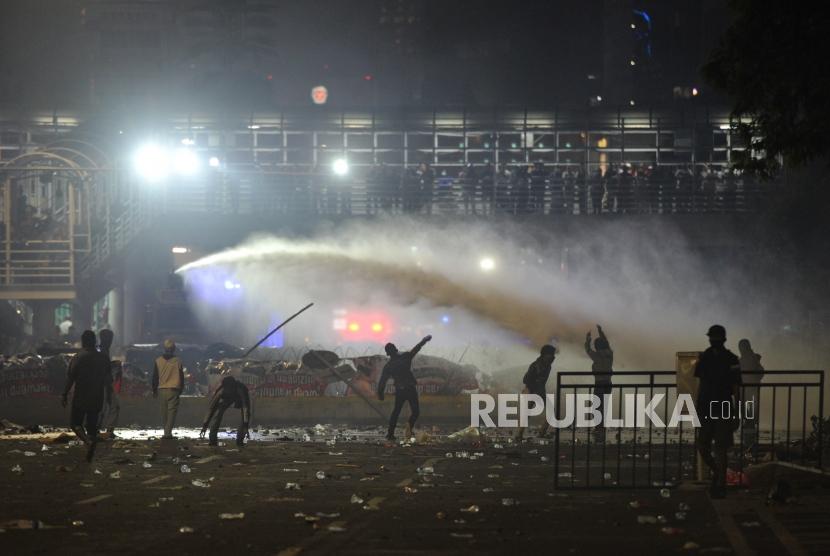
(151, 162)
(341, 167)
(180, 250)
(487, 264)
(186, 162)
(213, 162)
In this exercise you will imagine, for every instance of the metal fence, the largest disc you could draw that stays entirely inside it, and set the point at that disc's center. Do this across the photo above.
(781, 427)
(309, 195)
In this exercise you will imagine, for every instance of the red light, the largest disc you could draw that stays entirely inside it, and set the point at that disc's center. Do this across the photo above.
(319, 94)
(269, 77)
(354, 327)
(377, 327)
(367, 77)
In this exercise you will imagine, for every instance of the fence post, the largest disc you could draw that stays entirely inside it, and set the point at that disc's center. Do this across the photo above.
(821, 421)
(556, 433)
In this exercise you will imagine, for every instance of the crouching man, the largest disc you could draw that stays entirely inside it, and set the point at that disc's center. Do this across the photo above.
(231, 393)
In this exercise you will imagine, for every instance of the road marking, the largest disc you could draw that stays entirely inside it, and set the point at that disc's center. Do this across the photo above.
(375, 502)
(337, 526)
(730, 527)
(786, 538)
(405, 482)
(94, 499)
(207, 459)
(290, 551)
(155, 480)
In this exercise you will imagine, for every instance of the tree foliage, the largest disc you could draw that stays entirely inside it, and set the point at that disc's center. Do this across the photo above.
(774, 64)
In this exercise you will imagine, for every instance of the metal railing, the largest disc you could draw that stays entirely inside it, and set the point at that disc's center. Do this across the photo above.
(307, 196)
(37, 263)
(644, 456)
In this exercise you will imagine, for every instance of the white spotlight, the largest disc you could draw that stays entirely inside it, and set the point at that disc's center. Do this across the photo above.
(180, 250)
(213, 162)
(186, 162)
(487, 264)
(151, 162)
(340, 167)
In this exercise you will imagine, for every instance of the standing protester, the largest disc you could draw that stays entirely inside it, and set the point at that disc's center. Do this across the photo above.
(750, 363)
(399, 369)
(535, 380)
(168, 383)
(720, 380)
(109, 415)
(64, 327)
(89, 373)
(602, 357)
(231, 393)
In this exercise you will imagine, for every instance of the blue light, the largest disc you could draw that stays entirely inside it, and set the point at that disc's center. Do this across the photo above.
(213, 285)
(277, 340)
(445, 319)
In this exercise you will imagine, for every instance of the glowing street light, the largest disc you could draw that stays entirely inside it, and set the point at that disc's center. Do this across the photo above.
(180, 250)
(340, 167)
(185, 162)
(213, 162)
(487, 264)
(151, 162)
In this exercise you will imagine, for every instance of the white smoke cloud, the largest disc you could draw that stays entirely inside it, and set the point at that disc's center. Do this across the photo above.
(645, 284)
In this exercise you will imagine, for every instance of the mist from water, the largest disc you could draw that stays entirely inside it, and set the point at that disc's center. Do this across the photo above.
(651, 292)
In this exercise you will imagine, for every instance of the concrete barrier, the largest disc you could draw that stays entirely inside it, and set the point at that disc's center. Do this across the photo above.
(145, 412)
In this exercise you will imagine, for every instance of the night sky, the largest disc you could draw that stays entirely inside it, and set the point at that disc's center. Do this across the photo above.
(367, 52)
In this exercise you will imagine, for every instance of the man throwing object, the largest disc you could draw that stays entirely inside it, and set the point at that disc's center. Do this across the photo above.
(399, 368)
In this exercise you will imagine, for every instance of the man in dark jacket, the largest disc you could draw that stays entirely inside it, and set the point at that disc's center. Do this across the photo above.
(536, 379)
(719, 371)
(602, 357)
(89, 373)
(399, 369)
(231, 393)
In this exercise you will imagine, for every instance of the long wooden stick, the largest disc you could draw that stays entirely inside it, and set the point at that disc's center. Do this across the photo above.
(349, 383)
(286, 321)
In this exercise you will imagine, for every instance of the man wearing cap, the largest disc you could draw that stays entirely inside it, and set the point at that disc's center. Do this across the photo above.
(536, 379)
(168, 383)
(399, 369)
(231, 393)
(719, 371)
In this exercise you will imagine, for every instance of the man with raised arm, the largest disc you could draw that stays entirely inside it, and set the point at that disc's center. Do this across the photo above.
(399, 369)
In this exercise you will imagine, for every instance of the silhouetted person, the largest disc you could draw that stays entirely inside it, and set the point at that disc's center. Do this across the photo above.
(538, 185)
(720, 379)
(112, 408)
(64, 326)
(602, 357)
(231, 393)
(469, 185)
(89, 373)
(535, 380)
(399, 369)
(751, 375)
(597, 188)
(168, 383)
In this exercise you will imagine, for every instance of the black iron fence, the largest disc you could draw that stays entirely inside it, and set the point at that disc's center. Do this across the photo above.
(305, 195)
(782, 421)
